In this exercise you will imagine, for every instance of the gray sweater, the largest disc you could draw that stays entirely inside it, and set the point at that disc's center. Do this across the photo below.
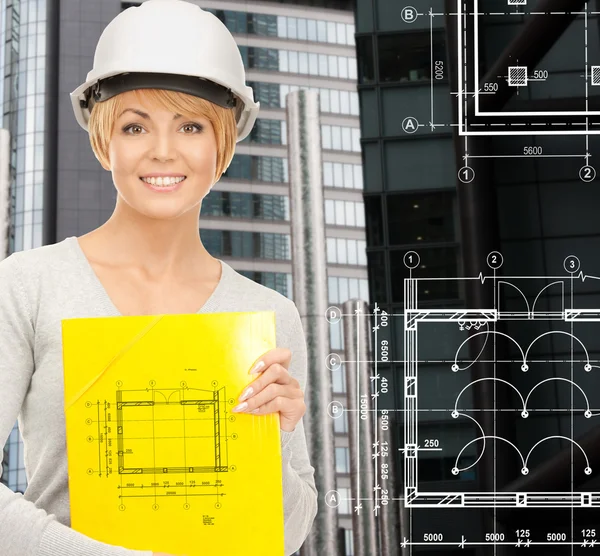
(39, 288)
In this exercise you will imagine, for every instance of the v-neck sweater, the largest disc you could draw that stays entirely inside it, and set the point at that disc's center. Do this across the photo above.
(38, 289)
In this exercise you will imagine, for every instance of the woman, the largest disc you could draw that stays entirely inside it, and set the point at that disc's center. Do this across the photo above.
(164, 120)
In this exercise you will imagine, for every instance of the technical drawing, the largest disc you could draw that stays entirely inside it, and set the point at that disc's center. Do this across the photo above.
(177, 435)
(546, 358)
(463, 325)
(515, 97)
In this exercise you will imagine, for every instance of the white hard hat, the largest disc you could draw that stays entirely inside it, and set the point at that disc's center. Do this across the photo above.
(168, 44)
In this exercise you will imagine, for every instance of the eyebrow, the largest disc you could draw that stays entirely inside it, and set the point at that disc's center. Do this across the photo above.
(143, 114)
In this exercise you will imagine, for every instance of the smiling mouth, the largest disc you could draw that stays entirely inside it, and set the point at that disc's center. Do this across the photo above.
(163, 182)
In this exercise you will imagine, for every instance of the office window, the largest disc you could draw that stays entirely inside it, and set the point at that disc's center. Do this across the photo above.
(342, 460)
(340, 138)
(345, 499)
(436, 262)
(322, 31)
(336, 338)
(406, 57)
(336, 174)
(234, 243)
(374, 220)
(263, 24)
(268, 94)
(425, 217)
(338, 380)
(340, 424)
(245, 205)
(302, 29)
(261, 168)
(312, 30)
(366, 60)
(331, 32)
(265, 132)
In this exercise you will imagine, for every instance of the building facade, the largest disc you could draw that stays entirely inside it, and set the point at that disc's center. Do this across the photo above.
(536, 211)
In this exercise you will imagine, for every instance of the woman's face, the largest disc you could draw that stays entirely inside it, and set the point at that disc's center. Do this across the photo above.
(149, 140)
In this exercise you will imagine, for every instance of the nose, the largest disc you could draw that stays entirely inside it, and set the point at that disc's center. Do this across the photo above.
(164, 146)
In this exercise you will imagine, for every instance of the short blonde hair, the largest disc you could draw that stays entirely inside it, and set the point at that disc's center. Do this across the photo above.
(104, 115)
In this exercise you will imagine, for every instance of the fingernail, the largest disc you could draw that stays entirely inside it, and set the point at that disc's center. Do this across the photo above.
(257, 367)
(247, 393)
(240, 407)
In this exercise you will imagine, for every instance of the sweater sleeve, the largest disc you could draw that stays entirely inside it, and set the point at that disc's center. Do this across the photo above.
(299, 490)
(25, 529)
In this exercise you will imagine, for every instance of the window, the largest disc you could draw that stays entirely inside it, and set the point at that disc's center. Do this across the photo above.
(312, 30)
(438, 262)
(235, 243)
(374, 220)
(265, 132)
(406, 57)
(345, 504)
(262, 168)
(331, 32)
(342, 460)
(268, 94)
(336, 174)
(245, 205)
(302, 31)
(424, 217)
(366, 63)
(340, 424)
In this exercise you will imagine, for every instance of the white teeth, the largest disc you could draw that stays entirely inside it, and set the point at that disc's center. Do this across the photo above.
(163, 181)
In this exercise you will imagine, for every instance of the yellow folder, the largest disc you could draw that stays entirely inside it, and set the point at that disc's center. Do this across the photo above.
(157, 460)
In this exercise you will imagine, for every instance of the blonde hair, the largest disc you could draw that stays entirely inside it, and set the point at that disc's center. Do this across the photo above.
(104, 115)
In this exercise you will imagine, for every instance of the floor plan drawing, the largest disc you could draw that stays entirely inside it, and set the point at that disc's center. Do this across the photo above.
(164, 442)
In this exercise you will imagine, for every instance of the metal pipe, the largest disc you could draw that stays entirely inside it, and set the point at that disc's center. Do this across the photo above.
(310, 296)
(360, 425)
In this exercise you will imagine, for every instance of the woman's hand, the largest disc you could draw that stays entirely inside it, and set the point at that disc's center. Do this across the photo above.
(275, 390)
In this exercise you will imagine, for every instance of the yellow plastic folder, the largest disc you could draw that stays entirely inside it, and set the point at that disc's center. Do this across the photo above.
(157, 460)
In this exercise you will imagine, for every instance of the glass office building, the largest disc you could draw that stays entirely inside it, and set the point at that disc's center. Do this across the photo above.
(535, 211)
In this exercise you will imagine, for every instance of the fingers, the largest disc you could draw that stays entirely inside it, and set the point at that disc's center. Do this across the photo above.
(274, 391)
(283, 356)
(275, 373)
(279, 404)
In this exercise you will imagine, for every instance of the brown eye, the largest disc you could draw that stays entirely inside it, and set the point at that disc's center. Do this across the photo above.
(132, 126)
(197, 126)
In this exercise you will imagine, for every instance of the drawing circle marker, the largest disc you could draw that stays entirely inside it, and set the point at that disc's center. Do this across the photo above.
(588, 471)
(587, 414)
(571, 264)
(466, 174)
(524, 414)
(525, 471)
(333, 362)
(411, 259)
(455, 367)
(335, 495)
(587, 174)
(410, 124)
(409, 14)
(454, 414)
(455, 471)
(495, 260)
(524, 367)
(587, 367)
(333, 314)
